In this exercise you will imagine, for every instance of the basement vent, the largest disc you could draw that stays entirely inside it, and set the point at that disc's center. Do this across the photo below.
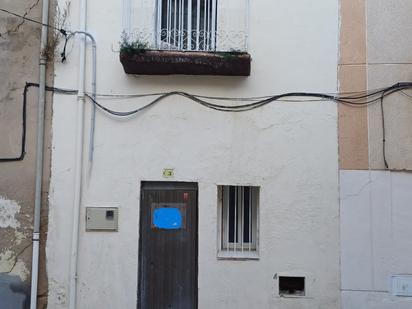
(291, 286)
(402, 285)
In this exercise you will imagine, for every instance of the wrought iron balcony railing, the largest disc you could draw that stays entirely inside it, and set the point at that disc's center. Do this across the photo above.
(194, 25)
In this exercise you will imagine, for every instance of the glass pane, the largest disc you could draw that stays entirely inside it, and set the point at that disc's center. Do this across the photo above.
(232, 193)
(246, 215)
(175, 32)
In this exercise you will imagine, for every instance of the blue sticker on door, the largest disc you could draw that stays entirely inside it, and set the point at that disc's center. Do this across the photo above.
(167, 218)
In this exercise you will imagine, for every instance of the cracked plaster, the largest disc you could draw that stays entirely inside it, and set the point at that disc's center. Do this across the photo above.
(8, 211)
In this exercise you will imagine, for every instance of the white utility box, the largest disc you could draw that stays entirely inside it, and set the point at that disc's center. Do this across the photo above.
(102, 218)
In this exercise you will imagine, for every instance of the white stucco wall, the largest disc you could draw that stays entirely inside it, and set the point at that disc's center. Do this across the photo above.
(288, 149)
(375, 237)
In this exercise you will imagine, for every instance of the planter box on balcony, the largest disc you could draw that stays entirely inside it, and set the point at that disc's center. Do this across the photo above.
(154, 62)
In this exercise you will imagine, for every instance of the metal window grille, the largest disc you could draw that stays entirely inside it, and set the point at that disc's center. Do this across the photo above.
(187, 25)
(239, 219)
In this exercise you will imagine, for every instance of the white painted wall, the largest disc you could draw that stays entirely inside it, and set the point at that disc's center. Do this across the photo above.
(288, 149)
(375, 237)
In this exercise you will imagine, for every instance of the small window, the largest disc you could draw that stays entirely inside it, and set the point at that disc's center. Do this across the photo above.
(238, 221)
(187, 25)
(291, 286)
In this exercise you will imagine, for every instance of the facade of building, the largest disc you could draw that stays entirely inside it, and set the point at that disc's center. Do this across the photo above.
(280, 160)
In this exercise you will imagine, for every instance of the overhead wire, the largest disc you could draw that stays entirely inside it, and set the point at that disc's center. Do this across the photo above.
(63, 31)
(361, 99)
(385, 161)
(356, 100)
(22, 153)
(352, 94)
(66, 33)
(353, 99)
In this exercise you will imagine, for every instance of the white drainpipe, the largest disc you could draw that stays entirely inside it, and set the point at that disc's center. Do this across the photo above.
(39, 158)
(78, 160)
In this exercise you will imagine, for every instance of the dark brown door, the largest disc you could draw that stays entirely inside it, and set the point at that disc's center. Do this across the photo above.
(168, 246)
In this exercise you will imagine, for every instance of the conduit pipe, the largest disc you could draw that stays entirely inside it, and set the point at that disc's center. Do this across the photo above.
(94, 78)
(79, 157)
(78, 160)
(39, 157)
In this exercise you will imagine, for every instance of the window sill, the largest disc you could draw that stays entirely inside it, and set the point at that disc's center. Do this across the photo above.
(293, 296)
(155, 62)
(223, 255)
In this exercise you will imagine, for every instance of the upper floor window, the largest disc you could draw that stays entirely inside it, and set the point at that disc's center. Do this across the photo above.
(187, 25)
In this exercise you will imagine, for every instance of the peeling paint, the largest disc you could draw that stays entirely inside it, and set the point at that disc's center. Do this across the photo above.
(6, 261)
(8, 264)
(21, 271)
(19, 237)
(8, 211)
(59, 295)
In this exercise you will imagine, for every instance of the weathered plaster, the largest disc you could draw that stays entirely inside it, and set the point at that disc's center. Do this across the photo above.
(8, 211)
(6, 261)
(21, 271)
(11, 263)
(19, 62)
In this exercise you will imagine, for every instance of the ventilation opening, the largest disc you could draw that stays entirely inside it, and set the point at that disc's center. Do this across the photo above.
(292, 286)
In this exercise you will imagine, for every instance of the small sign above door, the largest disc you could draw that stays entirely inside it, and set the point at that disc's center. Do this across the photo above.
(168, 173)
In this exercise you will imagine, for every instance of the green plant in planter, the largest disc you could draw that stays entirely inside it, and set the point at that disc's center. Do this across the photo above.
(132, 46)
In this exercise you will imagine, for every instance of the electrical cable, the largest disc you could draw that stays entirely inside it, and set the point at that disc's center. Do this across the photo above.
(350, 95)
(65, 33)
(62, 31)
(22, 152)
(352, 100)
(385, 161)
(361, 99)
(17, 27)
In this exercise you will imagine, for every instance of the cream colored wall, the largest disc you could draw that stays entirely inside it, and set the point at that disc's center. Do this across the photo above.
(289, 150)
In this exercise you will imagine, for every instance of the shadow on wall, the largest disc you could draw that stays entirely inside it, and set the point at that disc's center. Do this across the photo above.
(14, 293)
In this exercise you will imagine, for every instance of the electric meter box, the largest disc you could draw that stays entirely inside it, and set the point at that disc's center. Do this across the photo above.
(102, 219)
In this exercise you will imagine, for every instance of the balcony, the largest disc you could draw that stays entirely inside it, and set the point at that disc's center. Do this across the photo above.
(191, 37)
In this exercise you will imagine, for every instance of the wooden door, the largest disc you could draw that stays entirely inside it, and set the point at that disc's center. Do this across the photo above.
(168, 246)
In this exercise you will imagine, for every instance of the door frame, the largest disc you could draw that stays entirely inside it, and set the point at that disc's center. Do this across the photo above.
(167, 185)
